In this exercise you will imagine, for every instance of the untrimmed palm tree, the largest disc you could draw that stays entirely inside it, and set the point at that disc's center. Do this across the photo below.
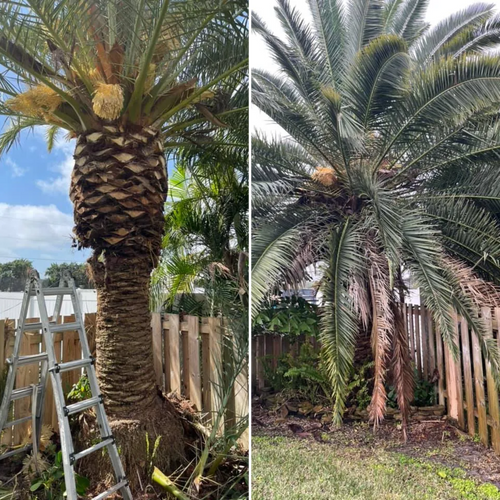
(127, 79)
(387, 168)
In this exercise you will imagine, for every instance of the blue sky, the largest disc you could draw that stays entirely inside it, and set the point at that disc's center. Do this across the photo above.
(36, 215)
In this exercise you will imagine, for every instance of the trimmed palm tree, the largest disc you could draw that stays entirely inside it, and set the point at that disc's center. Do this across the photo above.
(128, 79)
(384, 115)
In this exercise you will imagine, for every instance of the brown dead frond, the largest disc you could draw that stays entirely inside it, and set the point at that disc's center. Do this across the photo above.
(360, 298)
(402, 368)
(483, 293)
(382, 328)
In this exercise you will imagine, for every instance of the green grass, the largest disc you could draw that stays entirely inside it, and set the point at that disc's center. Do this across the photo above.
(286, 468)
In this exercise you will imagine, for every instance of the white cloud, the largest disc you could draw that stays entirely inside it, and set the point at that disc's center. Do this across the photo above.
(16, 170)
(43, 228)
(59, 184)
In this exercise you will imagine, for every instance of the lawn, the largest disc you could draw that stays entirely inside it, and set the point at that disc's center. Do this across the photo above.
(290, 467)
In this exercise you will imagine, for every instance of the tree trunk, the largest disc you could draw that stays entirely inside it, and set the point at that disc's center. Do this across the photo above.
(118, 189)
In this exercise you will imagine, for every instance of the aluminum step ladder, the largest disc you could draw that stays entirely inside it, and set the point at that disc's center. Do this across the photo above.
(48, 366)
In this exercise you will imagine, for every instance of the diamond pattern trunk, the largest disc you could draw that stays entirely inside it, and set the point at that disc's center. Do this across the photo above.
(118, 189)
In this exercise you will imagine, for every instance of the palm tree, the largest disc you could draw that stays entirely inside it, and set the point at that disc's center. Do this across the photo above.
(387, 168)
(206, 236)
(128, 79)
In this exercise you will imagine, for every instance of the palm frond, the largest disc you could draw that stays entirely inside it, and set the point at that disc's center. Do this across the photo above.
(339, 325)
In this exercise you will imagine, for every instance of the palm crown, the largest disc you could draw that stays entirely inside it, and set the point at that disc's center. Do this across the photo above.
(383, 115)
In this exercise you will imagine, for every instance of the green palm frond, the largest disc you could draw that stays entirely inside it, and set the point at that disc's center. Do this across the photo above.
(427, 47)
(339, 323)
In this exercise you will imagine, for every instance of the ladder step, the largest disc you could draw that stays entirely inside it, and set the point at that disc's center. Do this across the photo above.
(32, 327)
(10, 453)
(24, 392)
(63, 327)
(105, 442)
(27, 360)
(112, 490)
(82, 405)
(55, 291)
(12, 423)
(72, 365)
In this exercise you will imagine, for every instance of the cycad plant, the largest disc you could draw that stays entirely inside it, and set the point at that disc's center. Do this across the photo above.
(387, 168)
(127, 79)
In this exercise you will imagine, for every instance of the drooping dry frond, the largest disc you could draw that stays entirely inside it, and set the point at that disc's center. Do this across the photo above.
(482, 293)
(33, 466)
(382, 328)
(325, 176)
(402, 368)
(360, 299)
(39, 101)
(108, 101)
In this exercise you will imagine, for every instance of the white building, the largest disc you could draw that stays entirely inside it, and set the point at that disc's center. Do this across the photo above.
(10, 304)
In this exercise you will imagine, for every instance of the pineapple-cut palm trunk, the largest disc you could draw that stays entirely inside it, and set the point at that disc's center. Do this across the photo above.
(118, 189)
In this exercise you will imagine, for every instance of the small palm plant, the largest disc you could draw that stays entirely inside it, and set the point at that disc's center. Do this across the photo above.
(384, 116)
(128, 79)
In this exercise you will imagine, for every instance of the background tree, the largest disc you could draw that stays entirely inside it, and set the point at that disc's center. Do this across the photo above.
(393, 138)
(206, 237)
(78, 272)
(13, 275)
(128, 79)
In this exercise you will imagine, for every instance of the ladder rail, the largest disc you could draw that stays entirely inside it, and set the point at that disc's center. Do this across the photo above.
(65, 431)
(49, 367)
(11, 376)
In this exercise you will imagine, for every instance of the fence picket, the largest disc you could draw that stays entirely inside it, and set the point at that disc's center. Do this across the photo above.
(479, 386)
(493, 403)
(418, 344)
(191, 354)
(469, 391)
(156, 328)
(172, 353)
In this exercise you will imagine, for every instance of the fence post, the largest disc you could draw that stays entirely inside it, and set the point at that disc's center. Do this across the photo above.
(191, 365)
(156, 328)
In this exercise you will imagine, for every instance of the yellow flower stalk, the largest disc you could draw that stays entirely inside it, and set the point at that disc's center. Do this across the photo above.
(108, 101)
(39, 101)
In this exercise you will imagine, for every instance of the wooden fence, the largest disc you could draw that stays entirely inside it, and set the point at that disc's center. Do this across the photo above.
(187, 356)
(465, 384)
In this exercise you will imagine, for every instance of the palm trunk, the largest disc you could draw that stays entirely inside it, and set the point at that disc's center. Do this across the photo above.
(118, 189)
